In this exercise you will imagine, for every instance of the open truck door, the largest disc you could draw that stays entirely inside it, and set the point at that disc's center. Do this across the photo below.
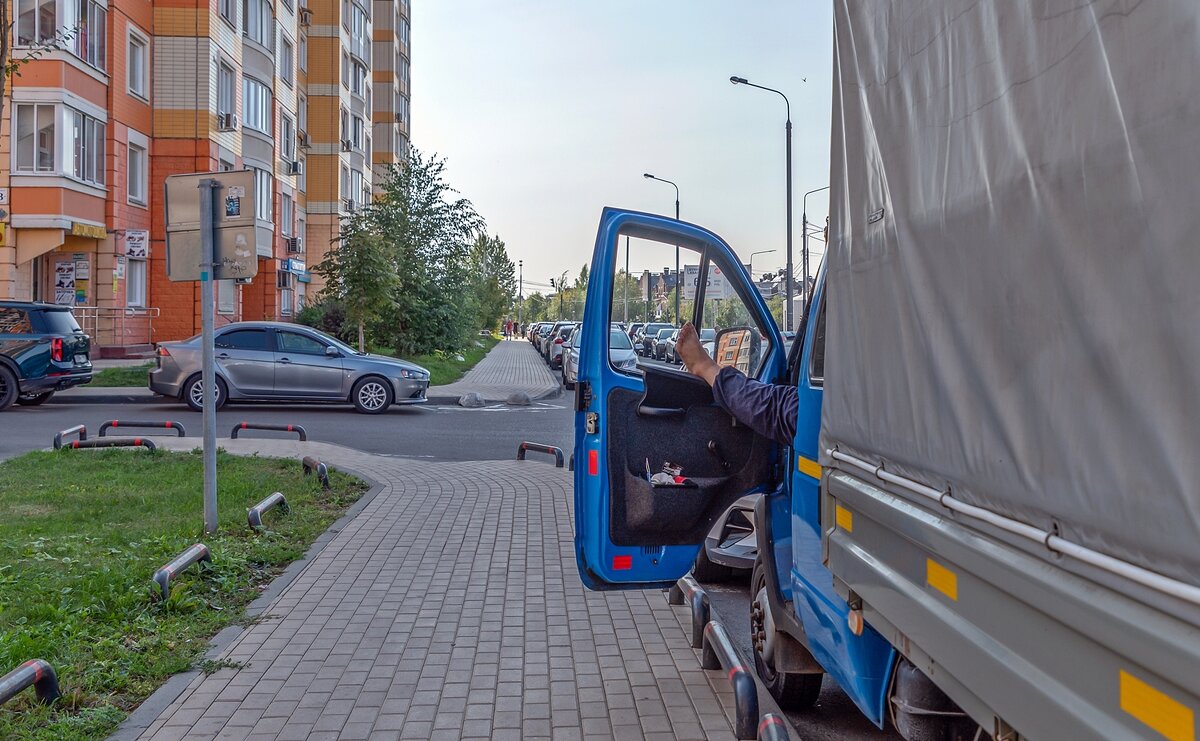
(632, 418)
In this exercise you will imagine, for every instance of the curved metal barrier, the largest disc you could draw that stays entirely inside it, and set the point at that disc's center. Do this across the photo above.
(77, 429)
(116, 423)
(276, 428)
(312, 465)
(539, 448)
(114, 442)
(571, 462)
(34, 672)
(773, 728)
(718, 653)
(255, 513)
(193, 554)
(686, 590)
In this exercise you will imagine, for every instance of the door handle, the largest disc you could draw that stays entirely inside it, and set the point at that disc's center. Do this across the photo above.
(283, 361)
(645, 411)
(223, 356)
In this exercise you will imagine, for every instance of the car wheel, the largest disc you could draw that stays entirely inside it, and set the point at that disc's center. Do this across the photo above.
(708, 572)
(792, 691)
(372, 395)
(9, 389)
(33, 400)
(193, 393)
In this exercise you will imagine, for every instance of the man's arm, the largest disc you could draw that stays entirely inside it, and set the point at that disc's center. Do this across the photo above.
(768, 409)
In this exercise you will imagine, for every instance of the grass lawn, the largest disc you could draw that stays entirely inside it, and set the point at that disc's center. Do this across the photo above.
(81, 533)
(133, 375)
(444, 369)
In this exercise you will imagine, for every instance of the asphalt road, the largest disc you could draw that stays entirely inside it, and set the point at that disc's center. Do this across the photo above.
(440, 432)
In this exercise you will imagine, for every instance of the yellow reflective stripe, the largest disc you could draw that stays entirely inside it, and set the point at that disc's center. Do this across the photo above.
(941, 578)
(1174, 720)
(844, 518)
(807, 467)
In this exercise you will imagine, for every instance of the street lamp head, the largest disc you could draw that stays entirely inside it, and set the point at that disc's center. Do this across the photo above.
(739, 80)
(647, 175)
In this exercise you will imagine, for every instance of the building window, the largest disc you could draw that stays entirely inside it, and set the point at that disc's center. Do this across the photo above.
(135, 281)
(287, 138)
(304, 53)
(256, 105)
(356, 188)
(225, 166)
(35, 138)
(345, 70)
(404, 31)
(137, 174)
(358, 78)
(260, 24)
(346, 184)
(287, 62)
(263, 194)
(225, 90)
(287, 213)
(37, 21)
(138, 68)
(404, 71)
(356, 133)
(345, 125)
(402, 110)
(229, 12)
(302, 113)
(90, 33)
(360, 41)
(87, 135)
(226, 296)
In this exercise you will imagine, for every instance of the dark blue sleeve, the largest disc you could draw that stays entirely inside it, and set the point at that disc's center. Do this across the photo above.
(769, 410)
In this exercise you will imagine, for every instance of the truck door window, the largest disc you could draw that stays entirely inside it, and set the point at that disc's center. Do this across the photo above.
(816, 364)
(647, 295)
(725, 308)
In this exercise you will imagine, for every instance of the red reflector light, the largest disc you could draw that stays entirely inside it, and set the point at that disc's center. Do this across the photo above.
(162, 352)
(56, 348)
(593, 462)
(622, 563)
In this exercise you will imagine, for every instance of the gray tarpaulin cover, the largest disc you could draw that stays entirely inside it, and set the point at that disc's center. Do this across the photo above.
(1021, 322)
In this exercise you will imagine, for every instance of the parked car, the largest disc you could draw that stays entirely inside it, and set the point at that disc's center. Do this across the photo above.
(42, 350)
(633, 331)
(707, 337)
(549, 338)
(620, 354)
(275, 361)
(648, 336)
(660, 342)
(731, 546)
(555, 349)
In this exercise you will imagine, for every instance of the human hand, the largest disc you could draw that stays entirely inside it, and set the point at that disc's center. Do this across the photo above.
(691, 352)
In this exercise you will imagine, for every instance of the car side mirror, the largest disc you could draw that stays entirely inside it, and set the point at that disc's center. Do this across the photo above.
(332, 352)
(736, 347)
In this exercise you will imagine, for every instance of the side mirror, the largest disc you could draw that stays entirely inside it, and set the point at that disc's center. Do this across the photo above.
(737, 347)
(332, 352)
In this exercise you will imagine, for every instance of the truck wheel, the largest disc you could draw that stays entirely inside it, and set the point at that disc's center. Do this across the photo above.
(792, 691)
(9, 390)
(33, 400)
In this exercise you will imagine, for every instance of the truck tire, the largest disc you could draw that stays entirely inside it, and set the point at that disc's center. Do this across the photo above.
(791, 691)
(9, 390)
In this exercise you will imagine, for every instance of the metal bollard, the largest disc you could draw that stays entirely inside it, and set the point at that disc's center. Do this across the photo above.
(773, 728)
(193, 554)
(687, 590)
(718, 653)
(114, 442)
(255, 513)
(571, 462)
(34, 672)
(116, 423)
(58, 436)
(312, 465)
(277, 428)
(540, 448)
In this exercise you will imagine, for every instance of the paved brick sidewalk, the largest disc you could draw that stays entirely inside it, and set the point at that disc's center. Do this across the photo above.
(511, 366)
(450, 607)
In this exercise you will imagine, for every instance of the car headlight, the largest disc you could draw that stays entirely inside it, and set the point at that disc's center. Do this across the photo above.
(416, 375)
(627, 364)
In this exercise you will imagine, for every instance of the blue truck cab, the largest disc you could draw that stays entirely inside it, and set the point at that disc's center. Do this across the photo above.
(631, 534)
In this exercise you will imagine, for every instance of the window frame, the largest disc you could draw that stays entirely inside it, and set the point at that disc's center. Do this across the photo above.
(135, 281)
(253, 109)
(226, 72)
(140, 177)
(135, 38)
(35, 166)
(264, 194)
(88, 135)
(287, 60)
(88, 43)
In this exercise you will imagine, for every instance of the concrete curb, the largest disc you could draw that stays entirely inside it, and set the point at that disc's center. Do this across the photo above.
(490, 398)
(136, 723)
(111, 395)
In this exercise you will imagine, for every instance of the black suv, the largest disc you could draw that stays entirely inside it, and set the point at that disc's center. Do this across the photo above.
(42, 350)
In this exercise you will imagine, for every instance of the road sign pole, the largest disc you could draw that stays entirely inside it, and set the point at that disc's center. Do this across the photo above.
(209, 371)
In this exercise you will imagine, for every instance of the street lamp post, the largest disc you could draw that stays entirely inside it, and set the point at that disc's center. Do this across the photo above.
(752, 254)
(804, 235)
(787, 306)
(521, 292)
(678, 287)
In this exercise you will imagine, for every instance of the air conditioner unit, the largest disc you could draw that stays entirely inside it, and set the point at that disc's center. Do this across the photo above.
(347, 145)
(303, 140)
(306, 16)
(295, 167)
(227, 121)
(295, 246)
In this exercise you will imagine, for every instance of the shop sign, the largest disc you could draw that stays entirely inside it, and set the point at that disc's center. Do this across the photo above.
(137, 243)
(88, 230)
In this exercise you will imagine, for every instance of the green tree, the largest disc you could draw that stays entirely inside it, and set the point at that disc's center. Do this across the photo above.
(493, 280)
(359, 274)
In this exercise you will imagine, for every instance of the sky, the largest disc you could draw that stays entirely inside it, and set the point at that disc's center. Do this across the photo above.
(547, 112)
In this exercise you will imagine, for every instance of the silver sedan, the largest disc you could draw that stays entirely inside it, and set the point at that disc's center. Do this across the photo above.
(620, 354)
(276, 361)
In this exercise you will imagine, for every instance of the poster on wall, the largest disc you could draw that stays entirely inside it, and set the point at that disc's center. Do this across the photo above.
(83, 269)
(119, 268)
(64, 282)
(137, 243)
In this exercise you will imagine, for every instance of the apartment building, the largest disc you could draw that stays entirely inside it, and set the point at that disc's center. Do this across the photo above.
(140, 90)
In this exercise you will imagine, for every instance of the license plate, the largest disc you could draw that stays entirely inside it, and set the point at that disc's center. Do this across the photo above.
(81, 360)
